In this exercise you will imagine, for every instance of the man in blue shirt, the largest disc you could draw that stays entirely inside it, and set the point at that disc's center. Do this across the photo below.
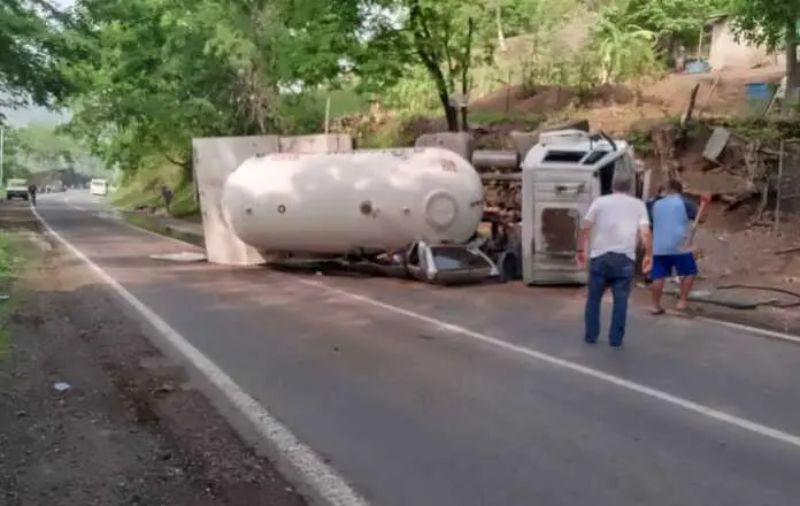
(672, 219)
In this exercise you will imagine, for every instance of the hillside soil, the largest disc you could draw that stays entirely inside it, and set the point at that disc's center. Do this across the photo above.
(616, 108)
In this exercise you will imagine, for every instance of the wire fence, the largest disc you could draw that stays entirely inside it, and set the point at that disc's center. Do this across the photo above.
(788, 181)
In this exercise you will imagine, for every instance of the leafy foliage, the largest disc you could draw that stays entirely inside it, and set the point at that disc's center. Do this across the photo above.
(772, 23)
(624, 51)
(632, 36)
(670, 21)
(142, 77)
(445, 37)
(28, 45)
(152, 74)
(40, 148)
(765, 21)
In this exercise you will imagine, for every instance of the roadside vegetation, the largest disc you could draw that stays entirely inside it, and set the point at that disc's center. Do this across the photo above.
(12, 263)
(140, 78)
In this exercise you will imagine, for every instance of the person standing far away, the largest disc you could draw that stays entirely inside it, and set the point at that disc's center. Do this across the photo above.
(672, 221)
(32, 193)
(167, 195)
(611, 229)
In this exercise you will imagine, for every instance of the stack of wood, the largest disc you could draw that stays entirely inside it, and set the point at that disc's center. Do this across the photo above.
(503, 198)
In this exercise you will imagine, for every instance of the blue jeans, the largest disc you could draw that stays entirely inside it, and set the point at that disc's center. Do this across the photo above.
(614, 270)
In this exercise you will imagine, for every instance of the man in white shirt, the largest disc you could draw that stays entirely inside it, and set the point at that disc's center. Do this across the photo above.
(612, 226)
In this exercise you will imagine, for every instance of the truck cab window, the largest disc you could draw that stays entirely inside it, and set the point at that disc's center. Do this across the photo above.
(413, 256)
(606, 176)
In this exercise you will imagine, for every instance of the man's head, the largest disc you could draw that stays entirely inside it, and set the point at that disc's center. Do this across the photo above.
(674, 186)
(623, 182)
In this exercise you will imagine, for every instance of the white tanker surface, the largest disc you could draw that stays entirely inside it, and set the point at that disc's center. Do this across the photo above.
(367, 201)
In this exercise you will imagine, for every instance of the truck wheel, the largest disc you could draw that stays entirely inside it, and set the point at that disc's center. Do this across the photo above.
(510, 267)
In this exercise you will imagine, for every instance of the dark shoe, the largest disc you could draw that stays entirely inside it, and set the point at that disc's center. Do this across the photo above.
(615, 345)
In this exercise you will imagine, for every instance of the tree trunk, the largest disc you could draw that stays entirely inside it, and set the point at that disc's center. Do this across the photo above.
(450, 113)
(501, 37)
(465, 68)
(792, 67)
(422, 44)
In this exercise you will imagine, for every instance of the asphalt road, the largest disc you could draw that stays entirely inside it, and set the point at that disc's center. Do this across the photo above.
(485, 395)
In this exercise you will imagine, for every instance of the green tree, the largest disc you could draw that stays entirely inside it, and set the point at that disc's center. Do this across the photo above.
(28, 45)
(773, 23)
(624, 51)
(446, 37)
(151, 74)
(663, 26)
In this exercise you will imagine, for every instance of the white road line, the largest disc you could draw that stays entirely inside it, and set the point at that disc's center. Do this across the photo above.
(706, 411)
(246, 403)
(772, 334)
(329, 485)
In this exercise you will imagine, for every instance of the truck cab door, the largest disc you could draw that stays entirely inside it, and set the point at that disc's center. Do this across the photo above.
(554, 216)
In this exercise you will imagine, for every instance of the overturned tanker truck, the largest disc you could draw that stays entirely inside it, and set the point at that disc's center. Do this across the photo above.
(400, 212)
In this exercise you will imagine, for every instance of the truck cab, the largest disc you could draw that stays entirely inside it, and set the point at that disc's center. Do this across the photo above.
(561, 177)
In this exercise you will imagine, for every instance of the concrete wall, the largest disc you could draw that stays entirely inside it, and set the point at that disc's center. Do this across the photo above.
(727, 52)
(316, 144)
(216, 158)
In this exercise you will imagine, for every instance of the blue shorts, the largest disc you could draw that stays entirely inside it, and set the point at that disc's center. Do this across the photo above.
(683, 264)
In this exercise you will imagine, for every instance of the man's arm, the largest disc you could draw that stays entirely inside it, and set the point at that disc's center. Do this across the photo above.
(646, 236)
(583, 242)
(585, 235)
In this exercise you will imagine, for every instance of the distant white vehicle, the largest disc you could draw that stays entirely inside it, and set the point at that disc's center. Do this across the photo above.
(98, 187)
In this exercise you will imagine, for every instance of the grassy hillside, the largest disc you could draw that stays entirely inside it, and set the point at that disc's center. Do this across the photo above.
(144, 189)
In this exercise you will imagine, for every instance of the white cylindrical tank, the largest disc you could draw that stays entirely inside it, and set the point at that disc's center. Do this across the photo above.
(379, 200)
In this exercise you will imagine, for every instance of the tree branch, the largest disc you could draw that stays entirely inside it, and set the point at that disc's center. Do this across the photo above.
(185, 164)
(466, 64)
(450, 66)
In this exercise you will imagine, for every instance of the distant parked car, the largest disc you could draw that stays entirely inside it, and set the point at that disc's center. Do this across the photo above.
(99, 187)
(17, 189)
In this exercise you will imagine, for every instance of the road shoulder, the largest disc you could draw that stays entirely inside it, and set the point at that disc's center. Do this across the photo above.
(128, 427)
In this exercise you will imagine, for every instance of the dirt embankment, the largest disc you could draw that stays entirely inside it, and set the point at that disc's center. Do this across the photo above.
(615, 108)
(127, 427)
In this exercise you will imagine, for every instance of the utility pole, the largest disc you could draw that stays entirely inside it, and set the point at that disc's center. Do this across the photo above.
(328, 114)
(2, 148)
